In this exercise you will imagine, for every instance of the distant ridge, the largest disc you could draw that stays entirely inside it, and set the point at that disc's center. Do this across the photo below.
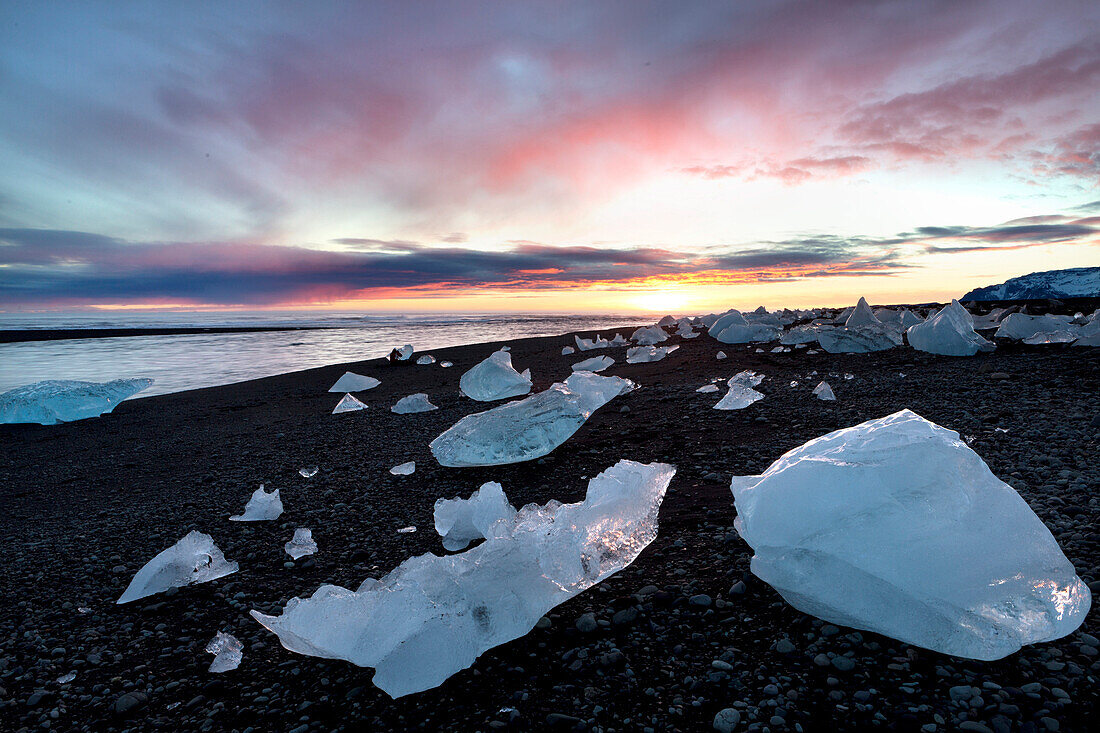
(1076, 282)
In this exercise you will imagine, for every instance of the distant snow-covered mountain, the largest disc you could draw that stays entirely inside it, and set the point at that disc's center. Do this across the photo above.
(1077, 282)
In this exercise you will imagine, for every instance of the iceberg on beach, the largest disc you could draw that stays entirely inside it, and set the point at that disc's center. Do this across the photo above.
(643, 354)
(824, 392)
(1018, 326)
(402, 354)
(348, 403)
(494, 379)
(949, 332)
(194, 559)
(61, 400)
(433, 616)
(460, 521)
(618, 340)
(861, 333)
(649, 336)
(301, 544)
(262, 507)
(595, 364)
(590, 344)
(1062, 336)
(228, 652)
(352, 382)
(413, 403)
(896, 526)
(733, 328)
(404, 469)
(806, 334)
(528, 428)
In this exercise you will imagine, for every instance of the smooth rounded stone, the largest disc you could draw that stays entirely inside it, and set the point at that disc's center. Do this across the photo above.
(701, 600)
(726, 720)
(129, 701)
(738, 588)
(843, 664)
(721, 665)
(784, 646)
(586, 623)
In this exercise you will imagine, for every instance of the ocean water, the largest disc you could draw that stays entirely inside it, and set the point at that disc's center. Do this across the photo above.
(191, 361)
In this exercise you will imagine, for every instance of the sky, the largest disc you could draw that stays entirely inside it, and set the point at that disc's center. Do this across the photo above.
(683, 157)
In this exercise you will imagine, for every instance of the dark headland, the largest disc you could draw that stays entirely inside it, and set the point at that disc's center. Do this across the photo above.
(682, 633)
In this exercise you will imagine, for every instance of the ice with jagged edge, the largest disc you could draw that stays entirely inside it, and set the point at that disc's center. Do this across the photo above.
(567, 350)
(733, 328)
(228, 652)
(425, 360)
(528, 428)
(404, 353)
(590, 344)
(301, 544)
(949, 332)
(263, 506)
(352, 382)
(494, 379)
(649, 336)
(433, 616)
(404, 469)
(413, 403)
(595, 364)
(824, 392)
(194, 559)
(896, 526)
(460, 521)
(348, 403)
(861, 333)
(62, 400)
(1019, 326)
(644, 354)
(1062, 336)
(806, 334)
(741, 393)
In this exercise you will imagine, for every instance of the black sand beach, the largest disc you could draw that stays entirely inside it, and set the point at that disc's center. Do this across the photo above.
(683, 633)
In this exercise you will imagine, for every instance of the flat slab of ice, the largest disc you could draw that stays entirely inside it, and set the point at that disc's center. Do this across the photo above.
(644, 354)
(262, 507)
(352, 382)
(348, 403)
(413, 403)
(62, 400)
(898, 527)
(404, 469)
(194, 559)
(595, 364)
(494, 379)
(433, 616)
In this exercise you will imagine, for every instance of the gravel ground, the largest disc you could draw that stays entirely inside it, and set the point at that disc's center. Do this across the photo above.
(684, 639)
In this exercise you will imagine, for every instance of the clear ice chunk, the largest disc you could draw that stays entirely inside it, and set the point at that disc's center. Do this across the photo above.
(308, 472)
(824, 392)
(194, 559)
(61, 400)
(262, 507)
(528, 428)
(404, 469)
(595, 364)
(896, 526)
(348, 403)
(352, 382)
(1019, 326)
(649, 336)
(402, 354)
(407, 530)
(720, 355)
(446, 364)
(706, 388)
(590, 344)
(567, 350)
(643, 354)
(426, 359)
(301, 544)
(227, 651)
(413, 403)
(460, 521)
(66, 678)
(733, 328)
(494, 379)
(950, 332)
(433, 616)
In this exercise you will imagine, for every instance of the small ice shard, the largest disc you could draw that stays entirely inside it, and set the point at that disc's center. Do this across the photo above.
(227, 651)
(194, 559)
(433, 616)
(779, 350)
(460, 521)
(262, 507)
(644, 354)
(528, 428)
(595, 364)
(308, 472)
(824, 392)
(445, 364)
(720, 355)
(794, 383)
(402, 354)
(949, 332)
(505, 348)
(66, 678)
(348, 403)
(567, 350)
(352, 382)
(413, 403)
(404, 469)
(494, 379)
(301, 544)
(426, 359)
(526, 374)
(732, 328)
(896, 526)
(83, 609)
(848, 375)
(61, 400)
(649, 336)
(407, 530)
(747, 378)
(738, 397)
(706, 388)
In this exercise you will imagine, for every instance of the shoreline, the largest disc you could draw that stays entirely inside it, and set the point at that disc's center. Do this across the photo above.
(20, 335)
(92, 501)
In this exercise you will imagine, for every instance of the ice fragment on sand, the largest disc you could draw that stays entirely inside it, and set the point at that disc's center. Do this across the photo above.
(404, 469)
(595, 364)
(733, 328)
(708, 388)
(1019, 326)
(643, 354)
(352, 382)
(194, 559)
(66, 678)
(649, 336)
(402, 354)
(426, 359)
(824, 392)
(301, 544)
(590, 344)
(309, 472)
(407, 530)
(433, 616)
(720, 355)
(741, 393)
(528, 428)
(227, 650)
(494, 379)
(262, 507)
(898, 527)
(567, 350)
(460, 521)
(348, 403)
(60, 400)
(446, 364)
(413, 403)
(949, 332)
(1063, 336)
